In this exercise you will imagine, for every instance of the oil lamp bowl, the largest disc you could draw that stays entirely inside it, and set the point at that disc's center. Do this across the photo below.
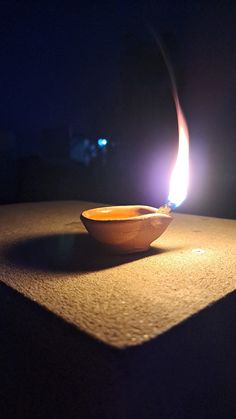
(125, 229)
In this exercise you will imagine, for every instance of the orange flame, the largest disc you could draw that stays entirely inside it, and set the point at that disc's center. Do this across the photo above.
(180, 175)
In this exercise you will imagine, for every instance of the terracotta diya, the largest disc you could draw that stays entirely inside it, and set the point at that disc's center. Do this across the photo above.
(128, 228)
(132, 228)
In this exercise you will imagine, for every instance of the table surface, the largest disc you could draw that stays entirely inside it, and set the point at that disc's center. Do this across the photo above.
(47, 256)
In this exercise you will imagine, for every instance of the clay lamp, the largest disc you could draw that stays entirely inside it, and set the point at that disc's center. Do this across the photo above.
(132, 228)
(125, 229)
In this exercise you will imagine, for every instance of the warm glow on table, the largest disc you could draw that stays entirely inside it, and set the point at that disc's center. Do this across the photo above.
(121, 300)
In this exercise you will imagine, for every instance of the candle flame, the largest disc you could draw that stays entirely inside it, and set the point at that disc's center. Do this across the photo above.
(180, 175)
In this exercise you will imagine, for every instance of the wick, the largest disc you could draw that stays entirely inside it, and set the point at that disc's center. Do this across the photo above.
(167, 208)
(171, 205)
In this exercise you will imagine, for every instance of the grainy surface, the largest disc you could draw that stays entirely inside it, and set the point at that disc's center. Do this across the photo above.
(47, 256)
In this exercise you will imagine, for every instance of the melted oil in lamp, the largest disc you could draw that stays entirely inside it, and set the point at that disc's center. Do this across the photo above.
(132, 228)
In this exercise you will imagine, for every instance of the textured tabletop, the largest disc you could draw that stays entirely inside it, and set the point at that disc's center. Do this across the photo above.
(47, 256)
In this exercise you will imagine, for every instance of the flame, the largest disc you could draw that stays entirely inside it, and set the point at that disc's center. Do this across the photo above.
(180, 175)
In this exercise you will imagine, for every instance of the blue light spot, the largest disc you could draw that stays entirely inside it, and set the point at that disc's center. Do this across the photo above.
(102, 142)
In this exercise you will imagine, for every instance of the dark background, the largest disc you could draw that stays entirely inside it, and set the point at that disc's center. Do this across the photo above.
(71, 71)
